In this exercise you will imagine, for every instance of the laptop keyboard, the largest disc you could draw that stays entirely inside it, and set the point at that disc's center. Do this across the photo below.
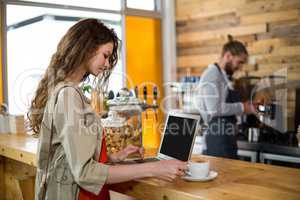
(140, 160)
(146, 160)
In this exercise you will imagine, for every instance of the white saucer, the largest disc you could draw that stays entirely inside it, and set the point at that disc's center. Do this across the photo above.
(212, 175)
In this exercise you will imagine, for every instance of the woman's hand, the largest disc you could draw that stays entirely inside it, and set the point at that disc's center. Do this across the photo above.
(168, 170)
(123, 154)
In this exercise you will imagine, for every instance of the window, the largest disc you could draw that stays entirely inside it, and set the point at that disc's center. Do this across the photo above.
(34, 27)
(100, 4)
(32, 37)
(142, 4)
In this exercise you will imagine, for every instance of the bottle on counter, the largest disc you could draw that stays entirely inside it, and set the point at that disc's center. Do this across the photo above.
(298, 135)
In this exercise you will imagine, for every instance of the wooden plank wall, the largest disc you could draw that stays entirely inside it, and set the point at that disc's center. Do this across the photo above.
(269, 28)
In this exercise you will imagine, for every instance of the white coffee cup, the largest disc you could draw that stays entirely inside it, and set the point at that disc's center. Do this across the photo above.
(198, 169)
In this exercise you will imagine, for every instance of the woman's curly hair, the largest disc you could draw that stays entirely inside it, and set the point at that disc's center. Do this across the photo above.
(75, 49)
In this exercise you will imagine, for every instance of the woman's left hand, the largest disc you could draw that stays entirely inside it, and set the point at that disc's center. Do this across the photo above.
(123, 154)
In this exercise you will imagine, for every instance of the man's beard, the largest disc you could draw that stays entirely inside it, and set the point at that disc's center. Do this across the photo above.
(229, 70)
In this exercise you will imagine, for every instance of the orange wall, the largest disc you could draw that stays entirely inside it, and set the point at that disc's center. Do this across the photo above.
(1, 89)
(144, 66)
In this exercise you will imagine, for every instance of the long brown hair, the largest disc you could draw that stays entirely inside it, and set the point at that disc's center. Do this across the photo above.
(75, 49)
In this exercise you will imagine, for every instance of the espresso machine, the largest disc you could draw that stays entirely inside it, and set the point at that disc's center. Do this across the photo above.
(267, 125)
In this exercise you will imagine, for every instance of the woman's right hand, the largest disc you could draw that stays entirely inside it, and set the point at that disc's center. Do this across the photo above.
(168, 170)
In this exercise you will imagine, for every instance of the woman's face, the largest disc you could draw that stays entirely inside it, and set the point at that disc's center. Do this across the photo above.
(100, 62)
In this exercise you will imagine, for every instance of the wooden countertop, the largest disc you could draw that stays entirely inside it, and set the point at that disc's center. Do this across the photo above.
(236, 180)
(20, 147)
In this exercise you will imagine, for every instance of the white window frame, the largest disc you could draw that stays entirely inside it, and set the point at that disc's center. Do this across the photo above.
(157, 13)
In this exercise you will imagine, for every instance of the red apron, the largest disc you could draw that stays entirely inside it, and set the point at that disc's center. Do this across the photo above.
(104, 193)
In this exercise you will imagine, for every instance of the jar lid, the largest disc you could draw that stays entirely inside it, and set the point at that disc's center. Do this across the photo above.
(124, 100)
(113, 120)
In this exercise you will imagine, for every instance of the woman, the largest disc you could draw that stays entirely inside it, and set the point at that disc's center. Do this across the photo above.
(70, 134)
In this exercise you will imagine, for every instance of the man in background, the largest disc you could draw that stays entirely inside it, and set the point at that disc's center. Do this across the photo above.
(219, 104)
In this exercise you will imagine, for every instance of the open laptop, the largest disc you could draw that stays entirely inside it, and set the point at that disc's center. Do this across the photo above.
(178, 137)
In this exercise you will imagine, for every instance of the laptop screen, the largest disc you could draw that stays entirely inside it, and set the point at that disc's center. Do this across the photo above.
(178, 137)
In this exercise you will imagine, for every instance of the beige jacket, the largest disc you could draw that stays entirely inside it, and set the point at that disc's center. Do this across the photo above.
(75, 147)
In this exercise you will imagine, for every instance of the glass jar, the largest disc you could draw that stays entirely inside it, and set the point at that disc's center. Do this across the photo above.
(123, 125)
